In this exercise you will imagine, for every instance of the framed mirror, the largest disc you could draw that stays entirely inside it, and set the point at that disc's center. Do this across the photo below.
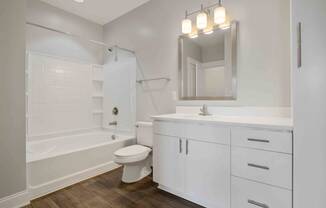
(208, 65)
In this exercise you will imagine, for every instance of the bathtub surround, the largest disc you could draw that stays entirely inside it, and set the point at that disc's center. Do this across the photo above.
(64, 96)
(59, 96)
(119, 90)
(12, 104)
(152, 31)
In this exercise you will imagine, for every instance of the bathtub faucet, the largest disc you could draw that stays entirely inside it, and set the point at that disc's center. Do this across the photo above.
(114, 123)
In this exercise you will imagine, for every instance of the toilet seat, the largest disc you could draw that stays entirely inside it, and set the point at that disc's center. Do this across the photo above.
(131, 154)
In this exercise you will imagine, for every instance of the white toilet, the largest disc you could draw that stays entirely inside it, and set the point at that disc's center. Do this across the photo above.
(137, 159)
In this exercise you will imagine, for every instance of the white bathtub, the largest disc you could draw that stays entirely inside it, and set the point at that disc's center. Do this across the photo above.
(59, 162)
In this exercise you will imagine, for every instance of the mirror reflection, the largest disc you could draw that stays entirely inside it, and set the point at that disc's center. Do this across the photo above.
(208, 66)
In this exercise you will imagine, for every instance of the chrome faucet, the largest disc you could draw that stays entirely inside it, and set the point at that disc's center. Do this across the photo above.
(204, 111)
(114, 123)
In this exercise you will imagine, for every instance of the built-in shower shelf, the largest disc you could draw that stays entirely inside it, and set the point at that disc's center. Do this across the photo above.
(98, 96)
(98, 112)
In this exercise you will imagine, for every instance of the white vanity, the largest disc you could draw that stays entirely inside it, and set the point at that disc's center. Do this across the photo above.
(224, 161)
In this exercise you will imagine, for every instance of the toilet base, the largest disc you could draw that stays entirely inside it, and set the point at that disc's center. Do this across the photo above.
(133, 172)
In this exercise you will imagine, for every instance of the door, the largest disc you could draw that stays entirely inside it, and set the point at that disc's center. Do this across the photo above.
(168, 162)
(192, 77)
(207, 173)
(309, 103)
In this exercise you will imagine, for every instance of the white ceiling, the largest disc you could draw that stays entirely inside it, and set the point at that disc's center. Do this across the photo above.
(99, 11)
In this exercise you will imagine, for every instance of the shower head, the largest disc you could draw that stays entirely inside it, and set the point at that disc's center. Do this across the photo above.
(113, 50)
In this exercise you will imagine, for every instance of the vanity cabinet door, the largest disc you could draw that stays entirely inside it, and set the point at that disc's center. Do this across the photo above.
(168, 162)
(207, 173)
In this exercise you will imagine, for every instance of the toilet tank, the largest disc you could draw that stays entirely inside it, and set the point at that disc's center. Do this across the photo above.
(145, 133)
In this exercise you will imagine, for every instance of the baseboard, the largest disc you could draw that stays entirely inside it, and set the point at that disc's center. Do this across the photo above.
(60, 183)
(16, 200)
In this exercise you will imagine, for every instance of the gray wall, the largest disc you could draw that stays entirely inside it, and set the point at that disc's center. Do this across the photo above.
(152, 31)
(56, 44)
(12, 97)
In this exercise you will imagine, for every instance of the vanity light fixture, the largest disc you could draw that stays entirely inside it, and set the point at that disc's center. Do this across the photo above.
(224, 26)
(210, 26)
(186, 25)
(207, 19)
(219, 14)
(202, 19)
(194, 33)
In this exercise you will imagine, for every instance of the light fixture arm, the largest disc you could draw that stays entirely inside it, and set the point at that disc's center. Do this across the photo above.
(203, 19)
(204, 8)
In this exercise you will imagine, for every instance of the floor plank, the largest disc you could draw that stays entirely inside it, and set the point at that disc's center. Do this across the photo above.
(107, 191)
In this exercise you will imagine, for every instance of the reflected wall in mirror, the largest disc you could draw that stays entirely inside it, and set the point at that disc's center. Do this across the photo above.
(207, 65)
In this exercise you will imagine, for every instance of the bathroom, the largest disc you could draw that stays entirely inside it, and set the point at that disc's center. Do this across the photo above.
(161, 103)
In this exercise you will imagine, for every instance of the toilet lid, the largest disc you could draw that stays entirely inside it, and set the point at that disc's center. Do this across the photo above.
(132, 151)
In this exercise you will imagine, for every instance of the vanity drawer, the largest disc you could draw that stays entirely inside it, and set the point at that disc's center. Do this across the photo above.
(169, 128)
(262, 139)
(248, 194)
(267, 167)
(208, 133)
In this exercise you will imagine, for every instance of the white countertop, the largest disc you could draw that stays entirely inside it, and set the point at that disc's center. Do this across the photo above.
(277, 123)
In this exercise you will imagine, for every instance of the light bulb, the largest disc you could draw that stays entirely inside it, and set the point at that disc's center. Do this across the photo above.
(219, 15)
(202, 20)
(186, 26)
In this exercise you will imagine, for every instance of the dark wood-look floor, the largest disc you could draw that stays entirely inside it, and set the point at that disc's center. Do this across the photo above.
(107, 191)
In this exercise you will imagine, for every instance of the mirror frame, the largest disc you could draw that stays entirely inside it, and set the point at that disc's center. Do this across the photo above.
(234, 41)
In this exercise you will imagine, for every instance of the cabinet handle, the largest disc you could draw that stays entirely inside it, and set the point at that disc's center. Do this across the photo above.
(258, 204)
(299, 39)
(258, 166)
(187, 147)
(180, 145)
(258, 140)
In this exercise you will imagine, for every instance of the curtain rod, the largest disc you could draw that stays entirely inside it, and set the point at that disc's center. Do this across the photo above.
(76, 36)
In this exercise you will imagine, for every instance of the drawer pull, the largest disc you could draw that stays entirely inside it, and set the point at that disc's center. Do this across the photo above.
(180, 146)
(257, 204)
(258, 140)
(187, 147)
(258, 166)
